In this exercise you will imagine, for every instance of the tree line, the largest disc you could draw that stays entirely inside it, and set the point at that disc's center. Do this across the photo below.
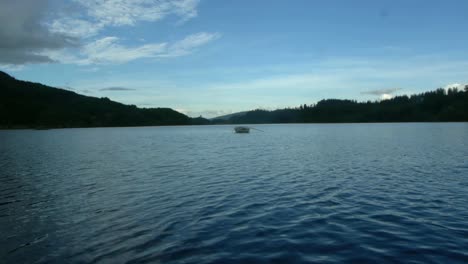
(435, 106)
(33, 105)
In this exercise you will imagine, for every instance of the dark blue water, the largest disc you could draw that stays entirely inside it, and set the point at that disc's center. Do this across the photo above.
(361, 193)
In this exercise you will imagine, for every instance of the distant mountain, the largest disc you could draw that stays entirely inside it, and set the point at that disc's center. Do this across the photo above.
(440, 105)
(33, 105)
(229, 116)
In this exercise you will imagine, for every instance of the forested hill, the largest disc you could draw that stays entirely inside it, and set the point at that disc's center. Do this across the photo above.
(33, 105)
(435, 106)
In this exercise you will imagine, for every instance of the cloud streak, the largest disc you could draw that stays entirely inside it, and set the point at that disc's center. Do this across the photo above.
(116, 89)
(189, 43)
(456, 86)
(29, 37)
(108, 50)
(99, 14)
(384, 94)
(344, 78)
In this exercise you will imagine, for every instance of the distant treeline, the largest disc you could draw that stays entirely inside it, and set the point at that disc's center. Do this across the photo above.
(33, 105)
(436, 106)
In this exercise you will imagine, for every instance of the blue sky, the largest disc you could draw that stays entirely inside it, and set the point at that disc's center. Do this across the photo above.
(213, 57)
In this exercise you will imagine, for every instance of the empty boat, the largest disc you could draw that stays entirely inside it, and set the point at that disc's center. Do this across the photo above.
(242, 129)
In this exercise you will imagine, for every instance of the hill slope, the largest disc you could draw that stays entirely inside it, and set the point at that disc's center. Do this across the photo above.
(434, 106)
(27, 105)
(227, 117)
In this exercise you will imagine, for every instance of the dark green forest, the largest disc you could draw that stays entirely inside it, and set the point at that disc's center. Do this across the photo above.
(435, 106)
(33, 105)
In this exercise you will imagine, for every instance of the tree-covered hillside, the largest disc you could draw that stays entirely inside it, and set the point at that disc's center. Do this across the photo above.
(33, 105)
(28, 105)
(439, 105)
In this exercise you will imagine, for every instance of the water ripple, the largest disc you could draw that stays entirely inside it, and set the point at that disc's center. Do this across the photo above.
(353, 193)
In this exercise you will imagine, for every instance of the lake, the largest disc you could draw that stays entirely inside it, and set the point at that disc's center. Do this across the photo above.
(318, 193)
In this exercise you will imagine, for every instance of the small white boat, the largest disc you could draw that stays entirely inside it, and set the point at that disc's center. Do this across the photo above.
(242, 129)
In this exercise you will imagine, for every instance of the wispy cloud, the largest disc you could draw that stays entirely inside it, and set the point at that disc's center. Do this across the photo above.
(99, 14)
(11, 67)
(108, 50)
(116, 89)
(72, 32)
(383, 93)
(274, 86)
(344, 78)
(77, 28)
(455, 85)
(190, 43)
(355, 76)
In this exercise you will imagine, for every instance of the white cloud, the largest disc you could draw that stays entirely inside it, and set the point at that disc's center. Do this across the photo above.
(186, 9)
(99, 14)
(75, 27)
(381, 91)
(71, 33)
(108, 50)
(342, 79)
(189, 43)
(383, 94)
(458, 86)
(386, 96)
(238, 89)
(129, 12)
(11, 67)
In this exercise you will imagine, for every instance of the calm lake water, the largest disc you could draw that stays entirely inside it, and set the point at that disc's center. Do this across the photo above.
(332, 193)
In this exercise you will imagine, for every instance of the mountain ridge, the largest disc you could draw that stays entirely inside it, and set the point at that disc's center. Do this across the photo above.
(440, 105)
(229, 116)
(26, 104)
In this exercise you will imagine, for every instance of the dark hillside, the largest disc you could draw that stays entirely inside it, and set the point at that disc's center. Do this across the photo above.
(28, 105)
(435, 106)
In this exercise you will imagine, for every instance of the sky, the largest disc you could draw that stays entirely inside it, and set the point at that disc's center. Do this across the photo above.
(214, 57)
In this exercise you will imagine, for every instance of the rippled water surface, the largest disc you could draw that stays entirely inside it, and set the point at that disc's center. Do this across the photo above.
(334, 193)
